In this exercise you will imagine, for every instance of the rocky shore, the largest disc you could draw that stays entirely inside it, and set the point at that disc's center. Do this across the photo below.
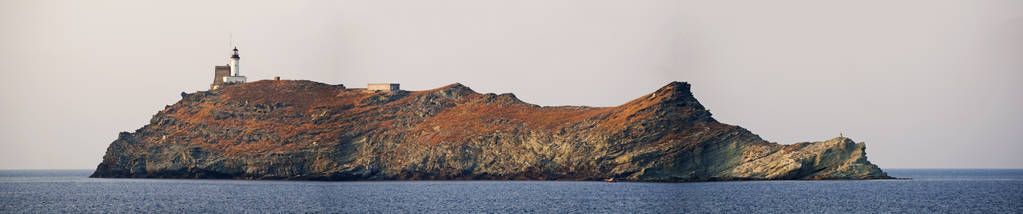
(304, 130)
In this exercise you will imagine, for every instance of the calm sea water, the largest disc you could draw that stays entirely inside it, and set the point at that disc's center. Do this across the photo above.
(930, 191)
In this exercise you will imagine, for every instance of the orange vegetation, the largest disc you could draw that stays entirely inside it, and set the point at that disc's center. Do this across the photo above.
(274, 116)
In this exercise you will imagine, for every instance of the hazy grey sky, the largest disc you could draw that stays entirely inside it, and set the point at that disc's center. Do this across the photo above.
(926, 83)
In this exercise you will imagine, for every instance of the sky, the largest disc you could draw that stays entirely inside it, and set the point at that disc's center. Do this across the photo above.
(925, 83)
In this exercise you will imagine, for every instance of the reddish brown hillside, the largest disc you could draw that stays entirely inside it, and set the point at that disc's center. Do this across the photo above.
(308, 130)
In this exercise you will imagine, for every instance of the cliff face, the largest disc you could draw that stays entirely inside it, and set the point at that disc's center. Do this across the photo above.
(309, 130)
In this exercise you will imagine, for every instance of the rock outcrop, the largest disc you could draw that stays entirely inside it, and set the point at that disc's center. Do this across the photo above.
(305, 130)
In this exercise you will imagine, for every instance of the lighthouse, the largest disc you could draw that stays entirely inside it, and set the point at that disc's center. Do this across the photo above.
(234, 62)
(227, 74)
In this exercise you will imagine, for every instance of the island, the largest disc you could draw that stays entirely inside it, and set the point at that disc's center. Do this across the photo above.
(305, 130)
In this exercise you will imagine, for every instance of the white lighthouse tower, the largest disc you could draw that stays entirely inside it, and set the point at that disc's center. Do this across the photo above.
(235, 76)
(234, 62)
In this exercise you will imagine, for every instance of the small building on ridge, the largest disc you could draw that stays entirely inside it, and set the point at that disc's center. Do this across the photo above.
(383, 87)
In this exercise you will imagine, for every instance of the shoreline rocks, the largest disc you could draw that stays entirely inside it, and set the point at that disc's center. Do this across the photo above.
(303, 130)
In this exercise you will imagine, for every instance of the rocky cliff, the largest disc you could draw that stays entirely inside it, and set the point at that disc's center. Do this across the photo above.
(313, 131)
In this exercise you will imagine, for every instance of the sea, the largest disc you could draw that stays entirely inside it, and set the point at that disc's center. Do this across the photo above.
(926, 191)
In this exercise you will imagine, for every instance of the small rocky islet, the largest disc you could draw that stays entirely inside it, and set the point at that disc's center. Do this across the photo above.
(304, 130)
